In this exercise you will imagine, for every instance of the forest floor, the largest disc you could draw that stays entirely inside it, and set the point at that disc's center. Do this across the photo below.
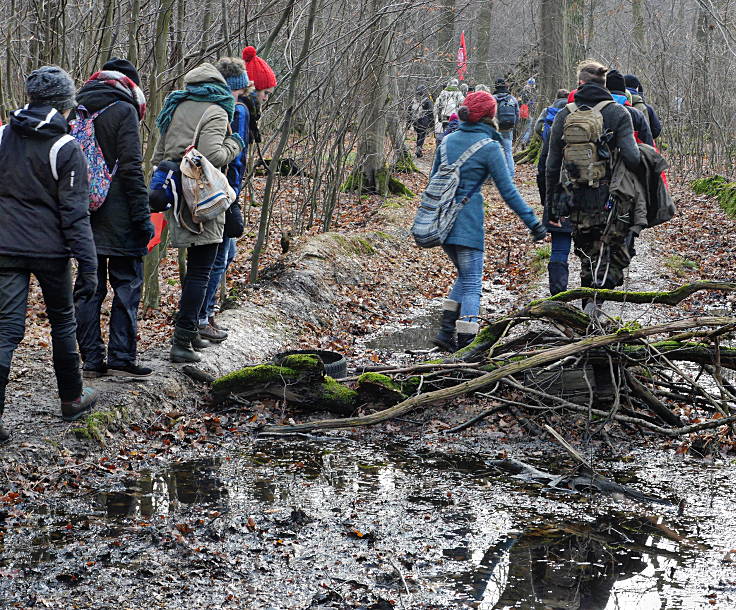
(182, 506)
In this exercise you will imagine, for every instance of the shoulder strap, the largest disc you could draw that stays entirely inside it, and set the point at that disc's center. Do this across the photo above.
(474, 148)
(572, 107)
(601, 105)
(201, 122)
(54, 153)
(2, 130)
(101, 110)
(443, 152)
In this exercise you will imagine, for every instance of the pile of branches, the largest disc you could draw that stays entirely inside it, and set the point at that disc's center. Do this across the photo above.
(550, 357)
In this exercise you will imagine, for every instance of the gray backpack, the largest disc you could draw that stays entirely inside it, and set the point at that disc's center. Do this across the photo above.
(438, 206)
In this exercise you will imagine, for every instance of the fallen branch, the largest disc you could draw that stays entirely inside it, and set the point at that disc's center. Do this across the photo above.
(546, 357)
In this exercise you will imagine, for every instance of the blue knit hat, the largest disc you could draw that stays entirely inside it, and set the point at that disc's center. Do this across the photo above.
(233, 71)
(238, 82)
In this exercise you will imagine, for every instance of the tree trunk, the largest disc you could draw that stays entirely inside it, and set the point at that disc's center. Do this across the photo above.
(552, 28)
(484, 36)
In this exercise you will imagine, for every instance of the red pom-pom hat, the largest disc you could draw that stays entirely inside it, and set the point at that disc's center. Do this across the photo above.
(258, 70)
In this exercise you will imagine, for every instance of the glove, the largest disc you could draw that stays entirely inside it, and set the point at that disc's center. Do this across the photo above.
(146, 229)
(539, 232)
(85, 285)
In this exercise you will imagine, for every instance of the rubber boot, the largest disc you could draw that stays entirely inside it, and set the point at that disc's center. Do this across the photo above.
(558, 277)
(445, 339)
(181, 346)
(466, 333)
(4, 434)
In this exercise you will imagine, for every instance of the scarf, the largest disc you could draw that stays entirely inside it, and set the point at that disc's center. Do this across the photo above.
(215, 93)
(118, 80)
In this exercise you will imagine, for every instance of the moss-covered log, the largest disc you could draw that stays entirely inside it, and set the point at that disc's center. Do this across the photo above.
(531, 153)
(385, 184)
(720, 188)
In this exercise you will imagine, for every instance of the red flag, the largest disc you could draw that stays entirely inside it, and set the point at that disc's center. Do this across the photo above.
(462, 58)
(159, 222)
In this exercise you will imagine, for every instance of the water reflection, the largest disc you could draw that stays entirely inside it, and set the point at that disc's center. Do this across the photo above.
(614, 562)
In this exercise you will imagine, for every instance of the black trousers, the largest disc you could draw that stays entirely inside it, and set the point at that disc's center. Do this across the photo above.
(56, 287)
(200, 260)
(125, 274)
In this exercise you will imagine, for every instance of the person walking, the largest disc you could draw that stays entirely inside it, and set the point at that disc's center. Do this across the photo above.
(200, 115)
(44, 195)
(264, 83)
(633, 85)
(508, 117)
(617, 86)
(561, 233)
(602, 228)
(465, 243)
(121, 226)
(421, 111)
(448, 101)
(233, 71)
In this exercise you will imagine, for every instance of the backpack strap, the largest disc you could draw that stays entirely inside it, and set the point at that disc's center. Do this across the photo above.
(443, 152)
(572, 107)
(2, 130)
(474, 148)
(201, 122)
(54, 153)
(101, 110)
(601, 105)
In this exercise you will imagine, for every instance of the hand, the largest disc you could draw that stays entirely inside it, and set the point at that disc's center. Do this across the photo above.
(538, 231)
(238, 139)
(85, 286)
(146, 228)
(554, 223)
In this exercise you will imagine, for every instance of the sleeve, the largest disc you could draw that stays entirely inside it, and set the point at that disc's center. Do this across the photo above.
(500, 174)
(554, 155)
(539, 124)
(236, 169)
(654, 123)
(436, 163)
(130, 167)
(624, 139)
(73, 201)
(516, 109)
(159, 150)
(215, 143)
(644, 131)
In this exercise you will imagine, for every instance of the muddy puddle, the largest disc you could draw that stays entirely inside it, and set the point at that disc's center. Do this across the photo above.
(348, 525)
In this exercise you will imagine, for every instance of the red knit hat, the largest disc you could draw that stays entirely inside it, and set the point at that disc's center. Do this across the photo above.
(477, 106)
(258, 70)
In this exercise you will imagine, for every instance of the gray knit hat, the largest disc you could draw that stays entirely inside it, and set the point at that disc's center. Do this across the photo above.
(52, 86)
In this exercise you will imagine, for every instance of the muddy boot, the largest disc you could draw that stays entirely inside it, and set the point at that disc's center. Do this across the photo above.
(181, 346)
(445, 339)
(4, 434)
(558, 277)
(210, 333)
(72, 410)
(466, 333)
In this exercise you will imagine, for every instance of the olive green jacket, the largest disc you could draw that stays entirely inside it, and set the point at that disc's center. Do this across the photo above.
(213, 141)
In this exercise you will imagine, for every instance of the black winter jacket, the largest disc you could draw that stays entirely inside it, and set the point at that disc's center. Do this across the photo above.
(122, 226)
(43, 217)
(617, 119)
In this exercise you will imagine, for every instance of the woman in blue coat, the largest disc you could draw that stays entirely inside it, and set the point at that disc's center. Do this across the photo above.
(464, 245)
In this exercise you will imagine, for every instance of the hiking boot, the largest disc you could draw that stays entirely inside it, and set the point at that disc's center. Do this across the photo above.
(211, 321)
(466, 333)
(181, 346)
(445, 339)
(72, 410)
(94, 372)
(210, 333)
(558, 277)
(130, 370)
(199, 343)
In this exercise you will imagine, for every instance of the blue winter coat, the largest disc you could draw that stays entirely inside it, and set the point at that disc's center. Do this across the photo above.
(488, 162)
(236, 169)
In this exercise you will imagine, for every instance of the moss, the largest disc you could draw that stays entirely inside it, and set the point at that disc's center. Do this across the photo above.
(629, 327)
(393, 204)
(385, 184)
(355, 244)
(719, 187)
(540, 258)
(95, 425)
(411, 385)
(378, 379)
(335, 391)
(679, 264)
(250, 376)
(300, 362)
(405, 164)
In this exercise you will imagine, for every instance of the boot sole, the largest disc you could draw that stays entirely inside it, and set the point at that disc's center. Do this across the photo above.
(213, 340)
(182, 360)
(95, 374)
(121, 373)
(444, 346)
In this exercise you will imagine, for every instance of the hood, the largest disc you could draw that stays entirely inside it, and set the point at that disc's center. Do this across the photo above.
(635, 94)
(590, 94)
(96, 95)
(205, 73)
(501, 89)
(560, 102)
(476, 127)
(39, 121)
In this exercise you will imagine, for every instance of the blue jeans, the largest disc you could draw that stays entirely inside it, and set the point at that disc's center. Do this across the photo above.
(467, 287)
(561, 242)
(507, 141)
(225, 255)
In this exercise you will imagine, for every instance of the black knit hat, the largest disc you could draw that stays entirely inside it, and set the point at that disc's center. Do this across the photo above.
(51, 86)
(632, 82)
(125, 67)
(615, 81)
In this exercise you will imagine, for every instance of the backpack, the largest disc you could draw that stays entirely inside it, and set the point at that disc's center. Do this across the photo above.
(100, 177)
(206, 190)
(438, 206)
(549, 118)
(448, 103)
(506, 113)
(586, 159)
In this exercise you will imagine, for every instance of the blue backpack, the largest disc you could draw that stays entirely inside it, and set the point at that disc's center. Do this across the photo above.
(507, 109)
(549, 118)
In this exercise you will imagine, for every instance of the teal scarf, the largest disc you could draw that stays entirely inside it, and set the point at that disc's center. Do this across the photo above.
(215, 93)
